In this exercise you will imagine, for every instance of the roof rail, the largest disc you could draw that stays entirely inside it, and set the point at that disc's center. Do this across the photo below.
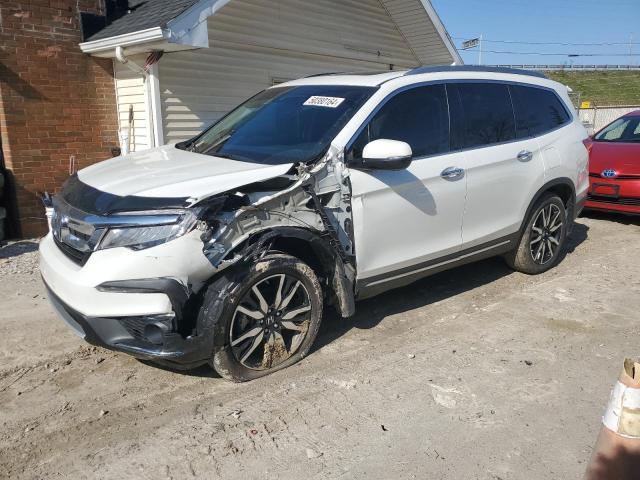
(474, 68)
(323, 74)
(371, 72)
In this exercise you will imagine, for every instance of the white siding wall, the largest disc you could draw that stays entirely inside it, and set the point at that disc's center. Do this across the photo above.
(419, 31)
(253, 43)
(130, 90)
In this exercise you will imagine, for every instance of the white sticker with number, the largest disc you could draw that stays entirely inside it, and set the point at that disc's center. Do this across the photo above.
(329, 102)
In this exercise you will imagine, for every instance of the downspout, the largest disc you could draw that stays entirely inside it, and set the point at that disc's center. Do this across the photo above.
(125, 140)
(122, 58)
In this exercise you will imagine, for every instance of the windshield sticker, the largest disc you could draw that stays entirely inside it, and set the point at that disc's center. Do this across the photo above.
(330, 102)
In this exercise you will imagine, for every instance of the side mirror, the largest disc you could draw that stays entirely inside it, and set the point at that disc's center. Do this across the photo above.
(385, 155)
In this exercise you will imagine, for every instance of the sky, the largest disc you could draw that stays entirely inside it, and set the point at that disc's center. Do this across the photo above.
(545, 21)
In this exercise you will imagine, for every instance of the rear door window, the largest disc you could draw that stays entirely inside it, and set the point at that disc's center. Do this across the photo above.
(481, 114)
(537, 110)
(418, 116)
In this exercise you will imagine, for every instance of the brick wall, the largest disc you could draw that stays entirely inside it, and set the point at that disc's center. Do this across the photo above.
(55, 102)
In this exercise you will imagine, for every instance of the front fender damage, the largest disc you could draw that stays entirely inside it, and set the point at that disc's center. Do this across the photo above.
(309, 207)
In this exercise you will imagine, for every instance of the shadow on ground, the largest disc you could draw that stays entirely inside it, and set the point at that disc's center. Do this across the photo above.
(204, 371)
(15, 249)
(427, 291)
(612, 217)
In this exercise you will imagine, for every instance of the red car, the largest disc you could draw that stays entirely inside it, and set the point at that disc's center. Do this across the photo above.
(614, 166)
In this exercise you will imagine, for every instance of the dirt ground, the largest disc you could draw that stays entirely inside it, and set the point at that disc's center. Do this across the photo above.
(476, 373)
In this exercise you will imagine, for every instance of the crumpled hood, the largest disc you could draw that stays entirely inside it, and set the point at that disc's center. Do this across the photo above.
(167, 172)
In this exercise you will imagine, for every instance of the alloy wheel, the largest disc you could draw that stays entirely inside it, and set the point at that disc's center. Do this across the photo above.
(270, 322)
(546, 234)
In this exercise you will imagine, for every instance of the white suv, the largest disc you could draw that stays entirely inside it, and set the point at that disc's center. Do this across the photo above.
(325, 190)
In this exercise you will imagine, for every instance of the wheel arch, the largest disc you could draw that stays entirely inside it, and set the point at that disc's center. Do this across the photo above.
(314, 250)
(564, 188)
(317, 252)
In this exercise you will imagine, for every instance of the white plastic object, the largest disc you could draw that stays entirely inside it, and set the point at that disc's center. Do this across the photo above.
(124, 141)
(48, 211)
(623, 411)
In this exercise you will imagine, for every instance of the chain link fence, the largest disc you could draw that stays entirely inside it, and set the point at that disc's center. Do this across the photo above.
(597, 117)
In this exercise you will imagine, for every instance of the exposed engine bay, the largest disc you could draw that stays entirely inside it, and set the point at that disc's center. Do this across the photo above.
(311, 204)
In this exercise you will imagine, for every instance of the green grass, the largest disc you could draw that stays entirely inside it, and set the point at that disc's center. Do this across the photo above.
(602, 87)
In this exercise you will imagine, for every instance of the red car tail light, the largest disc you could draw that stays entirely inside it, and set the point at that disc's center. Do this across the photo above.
(588, 143)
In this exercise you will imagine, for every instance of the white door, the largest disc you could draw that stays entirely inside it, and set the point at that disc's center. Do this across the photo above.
(407, 217)
(499, 189)
(503, 172)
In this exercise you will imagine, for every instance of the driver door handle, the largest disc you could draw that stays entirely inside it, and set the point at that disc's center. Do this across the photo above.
(452, 173)
(525, 156)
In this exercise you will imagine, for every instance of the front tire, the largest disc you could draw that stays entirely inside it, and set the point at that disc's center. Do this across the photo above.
(269, 320)
(543, 240)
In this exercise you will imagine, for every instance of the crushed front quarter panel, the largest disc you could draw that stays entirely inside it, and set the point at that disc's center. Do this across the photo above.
(317, 200)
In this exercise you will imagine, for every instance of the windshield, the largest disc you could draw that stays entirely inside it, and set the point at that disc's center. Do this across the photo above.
(282, 125)
(625, 129)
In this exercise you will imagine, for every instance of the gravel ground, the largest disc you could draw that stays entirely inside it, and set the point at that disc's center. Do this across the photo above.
(19, 258)
(478, 372)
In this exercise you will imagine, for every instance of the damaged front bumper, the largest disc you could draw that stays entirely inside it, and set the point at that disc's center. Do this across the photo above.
(150, 337)
(142, 317)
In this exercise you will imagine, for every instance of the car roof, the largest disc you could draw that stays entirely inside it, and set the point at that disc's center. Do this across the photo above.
(374, 79)
(635, 113)
(475, 68)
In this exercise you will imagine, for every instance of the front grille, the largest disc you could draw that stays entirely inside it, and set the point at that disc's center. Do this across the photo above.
(80, 235)
(76, 256)
(619, 177)
(73, 234)
(615, 201)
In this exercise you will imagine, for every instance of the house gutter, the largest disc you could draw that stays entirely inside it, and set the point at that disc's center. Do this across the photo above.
(153, 34)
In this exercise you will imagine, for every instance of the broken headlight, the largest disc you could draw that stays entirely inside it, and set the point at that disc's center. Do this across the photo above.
(140, 230)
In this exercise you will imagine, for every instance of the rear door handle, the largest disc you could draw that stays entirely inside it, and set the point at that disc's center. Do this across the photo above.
(525, 156)
(452, 173)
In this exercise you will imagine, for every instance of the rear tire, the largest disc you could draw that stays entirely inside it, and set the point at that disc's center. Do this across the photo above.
(543, 239)
(269, 321)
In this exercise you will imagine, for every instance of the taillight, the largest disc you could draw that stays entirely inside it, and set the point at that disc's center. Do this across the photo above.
(588, 143)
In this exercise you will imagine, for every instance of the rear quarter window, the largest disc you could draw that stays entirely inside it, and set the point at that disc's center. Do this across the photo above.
(537, 111)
